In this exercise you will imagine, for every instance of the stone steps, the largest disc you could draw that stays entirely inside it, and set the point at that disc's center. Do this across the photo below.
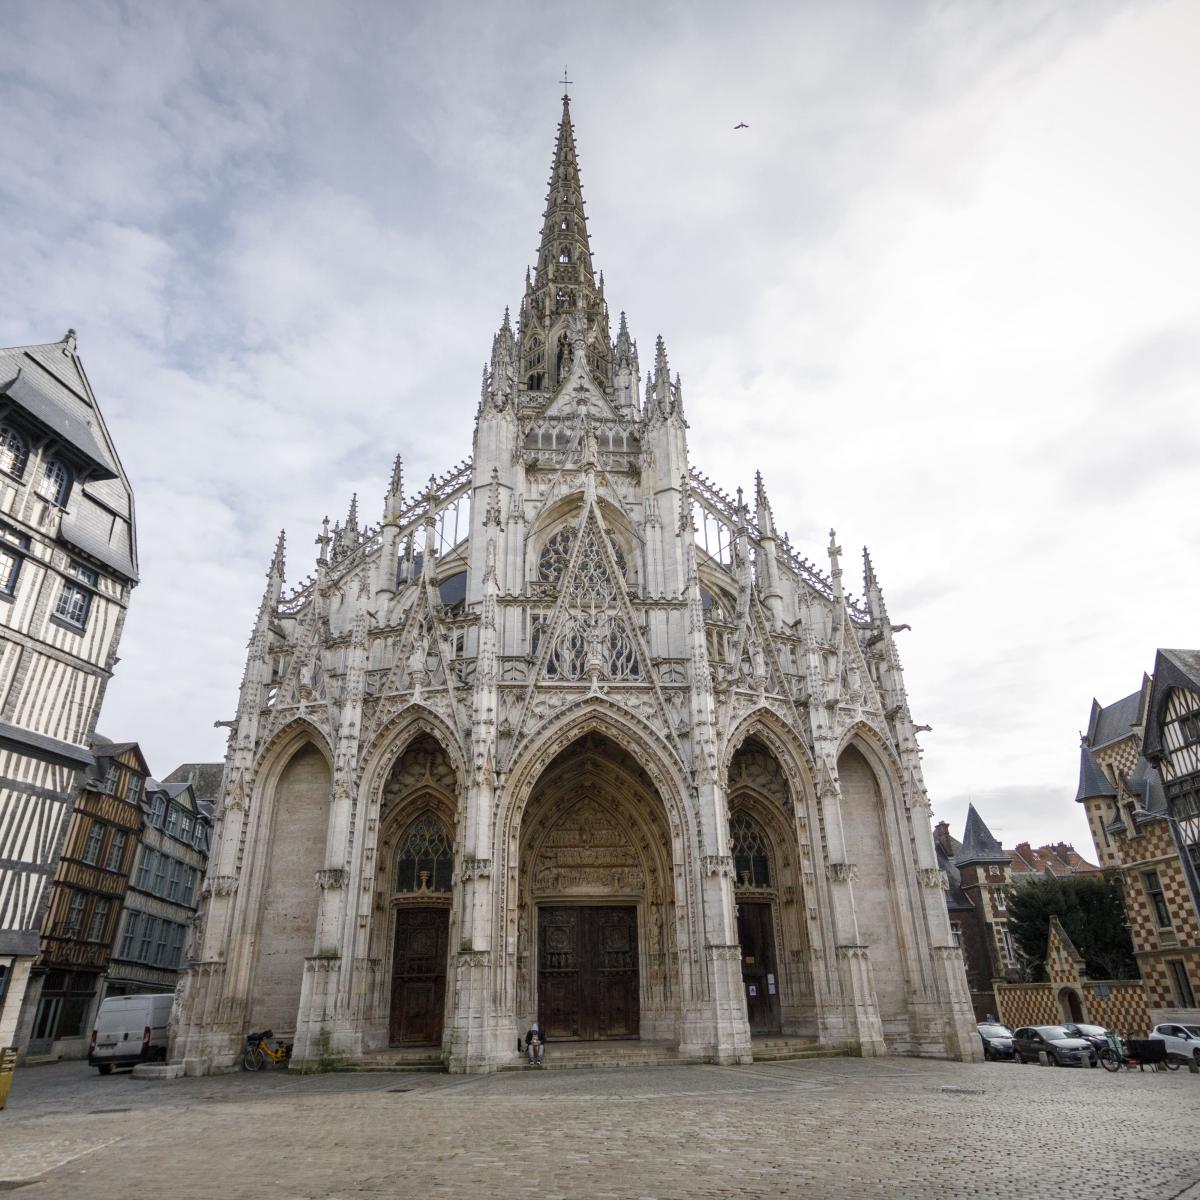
(782, 1049)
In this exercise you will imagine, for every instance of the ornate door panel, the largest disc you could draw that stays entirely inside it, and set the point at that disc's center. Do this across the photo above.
(760, 979)
(419, 975)
(588, 972)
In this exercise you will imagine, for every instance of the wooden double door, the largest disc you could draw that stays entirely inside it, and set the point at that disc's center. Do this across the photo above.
(588, 972)
(760, 980)
(419, 976)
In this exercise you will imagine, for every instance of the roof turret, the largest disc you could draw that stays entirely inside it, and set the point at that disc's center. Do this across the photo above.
(979, 846)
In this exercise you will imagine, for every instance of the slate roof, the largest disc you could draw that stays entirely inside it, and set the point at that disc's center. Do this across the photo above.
(1172, 669)
(205, 779)
(1145, 782)
(46, 388)
(956, 899)
(1111, 723)
(978, 843)
(1093, 782)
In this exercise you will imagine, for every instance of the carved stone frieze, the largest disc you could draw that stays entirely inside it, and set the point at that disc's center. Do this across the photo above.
(220, 885)
(933, 877)
(331, 877)
(718, 864)
(841, 872)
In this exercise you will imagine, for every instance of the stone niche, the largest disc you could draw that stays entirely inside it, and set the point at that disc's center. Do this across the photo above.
(587, 853)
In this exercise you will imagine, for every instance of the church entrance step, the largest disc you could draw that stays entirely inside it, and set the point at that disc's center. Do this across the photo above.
(416, 1058)
(566, 1056)
(781, 1049)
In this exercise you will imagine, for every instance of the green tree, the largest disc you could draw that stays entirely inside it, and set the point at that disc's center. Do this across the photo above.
(1092, 912)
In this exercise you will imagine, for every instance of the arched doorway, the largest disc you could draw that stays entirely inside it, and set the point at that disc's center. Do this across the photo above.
(595, 900)
(767, 880)
(1070, 1005)
(288, 921)
(414, 926)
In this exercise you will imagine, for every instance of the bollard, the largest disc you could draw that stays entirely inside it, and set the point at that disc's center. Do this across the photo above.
(1194, 1065)
(8, 1064)
(1043, 1058)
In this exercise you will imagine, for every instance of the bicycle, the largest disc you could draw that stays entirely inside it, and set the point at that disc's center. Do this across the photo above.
(1114, 1056)
(258, 1051)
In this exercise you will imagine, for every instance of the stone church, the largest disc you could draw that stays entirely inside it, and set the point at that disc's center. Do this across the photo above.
(571, 735)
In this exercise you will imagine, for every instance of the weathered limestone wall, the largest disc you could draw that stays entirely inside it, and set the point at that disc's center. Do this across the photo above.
(874, 891)
(289, 912)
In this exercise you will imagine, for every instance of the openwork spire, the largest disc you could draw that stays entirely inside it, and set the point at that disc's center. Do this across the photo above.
(563, 283)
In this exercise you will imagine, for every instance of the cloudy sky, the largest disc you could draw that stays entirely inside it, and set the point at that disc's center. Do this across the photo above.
(942, 292)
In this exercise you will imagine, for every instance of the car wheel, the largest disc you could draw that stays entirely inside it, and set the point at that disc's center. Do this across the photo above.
(987, 1054)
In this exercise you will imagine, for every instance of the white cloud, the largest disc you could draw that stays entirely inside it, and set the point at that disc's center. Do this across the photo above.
(940, 291)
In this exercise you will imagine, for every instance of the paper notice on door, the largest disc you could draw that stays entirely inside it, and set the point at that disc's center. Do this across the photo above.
(770, 989)
(753, 990)
(770, 980)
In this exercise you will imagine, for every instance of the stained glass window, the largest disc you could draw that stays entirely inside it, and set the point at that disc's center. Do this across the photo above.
(426, 859)
(751, 863)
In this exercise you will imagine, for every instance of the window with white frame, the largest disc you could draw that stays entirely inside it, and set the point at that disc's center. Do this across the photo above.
(116, 851)
(158, 808)
(146, 938)
(159, 885)
(172, 825)
(55, 483)
(145, 866)
(75, 599)
(99, 921)
(91, 848)
(185, 828)
(13, 547)
(75, 914)
(1008, 954)
(14, 451)
(129, 941)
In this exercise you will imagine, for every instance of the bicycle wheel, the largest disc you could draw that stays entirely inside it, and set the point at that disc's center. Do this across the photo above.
(1108, 1060)
(253, 1060)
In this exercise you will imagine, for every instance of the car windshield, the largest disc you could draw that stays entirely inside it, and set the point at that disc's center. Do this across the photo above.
(1053, 1033)
(995, 1031)
(1194, 1030)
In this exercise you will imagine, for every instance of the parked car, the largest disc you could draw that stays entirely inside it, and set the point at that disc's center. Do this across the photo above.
(1063, 1049)
(1096, 1034)
(997, 1040)
(1183, 1041)
(130, 1030)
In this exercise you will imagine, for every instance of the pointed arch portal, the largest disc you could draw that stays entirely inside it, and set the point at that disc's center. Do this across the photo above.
(595, 900)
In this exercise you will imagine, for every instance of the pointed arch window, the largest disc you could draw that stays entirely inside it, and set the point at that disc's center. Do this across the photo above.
(552, 561)
(751, 861)
(14, 452)
(426, 857)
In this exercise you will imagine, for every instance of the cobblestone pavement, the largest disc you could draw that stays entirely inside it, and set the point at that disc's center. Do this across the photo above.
(839, 1128)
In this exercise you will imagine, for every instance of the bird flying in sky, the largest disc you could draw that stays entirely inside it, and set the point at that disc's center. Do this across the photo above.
(741, 125)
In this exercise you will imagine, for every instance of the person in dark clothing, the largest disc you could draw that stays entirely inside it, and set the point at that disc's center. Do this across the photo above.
(535, 1046)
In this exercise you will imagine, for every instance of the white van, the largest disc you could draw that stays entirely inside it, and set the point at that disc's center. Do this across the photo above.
(130, 1030)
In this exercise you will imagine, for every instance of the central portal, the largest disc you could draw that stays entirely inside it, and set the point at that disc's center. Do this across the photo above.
(588, 972)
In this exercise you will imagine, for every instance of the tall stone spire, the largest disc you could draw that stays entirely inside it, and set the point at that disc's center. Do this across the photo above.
(564, 282)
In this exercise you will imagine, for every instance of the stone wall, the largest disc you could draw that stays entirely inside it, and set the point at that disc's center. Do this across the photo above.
(289, 914)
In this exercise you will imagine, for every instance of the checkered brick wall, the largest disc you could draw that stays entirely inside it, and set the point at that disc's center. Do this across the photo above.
(1151, 848)
(1123, 1009)
(1020, 1004)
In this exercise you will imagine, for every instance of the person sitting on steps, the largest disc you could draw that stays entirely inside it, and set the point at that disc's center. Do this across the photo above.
(535, 1046)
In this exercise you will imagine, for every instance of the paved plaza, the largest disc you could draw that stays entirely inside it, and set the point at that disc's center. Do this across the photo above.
(819, 1128)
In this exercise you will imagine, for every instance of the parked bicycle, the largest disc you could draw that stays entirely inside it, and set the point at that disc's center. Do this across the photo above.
(1132, 1053)
(259, 1050)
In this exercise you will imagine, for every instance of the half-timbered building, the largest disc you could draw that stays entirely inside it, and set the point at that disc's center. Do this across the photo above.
(86, 898)
(572, 734)
(67, 564)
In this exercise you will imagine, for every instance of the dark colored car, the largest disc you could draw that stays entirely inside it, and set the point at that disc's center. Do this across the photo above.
(997, 1040)
(1062, 1049)
(1096, 1034)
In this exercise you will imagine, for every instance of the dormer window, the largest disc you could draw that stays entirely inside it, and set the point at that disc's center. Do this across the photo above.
(55, 483)
(14, 452)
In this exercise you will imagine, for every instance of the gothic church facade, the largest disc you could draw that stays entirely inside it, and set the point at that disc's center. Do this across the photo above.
(571, 735)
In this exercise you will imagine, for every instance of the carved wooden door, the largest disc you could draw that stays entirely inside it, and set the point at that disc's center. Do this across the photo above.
(759, 976)
(588, 973)
(419, 976)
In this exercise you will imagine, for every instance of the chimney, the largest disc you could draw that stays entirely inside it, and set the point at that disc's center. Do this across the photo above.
(941, 835)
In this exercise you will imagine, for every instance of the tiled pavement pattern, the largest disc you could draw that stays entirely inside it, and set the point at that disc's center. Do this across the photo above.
(842, 1128)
